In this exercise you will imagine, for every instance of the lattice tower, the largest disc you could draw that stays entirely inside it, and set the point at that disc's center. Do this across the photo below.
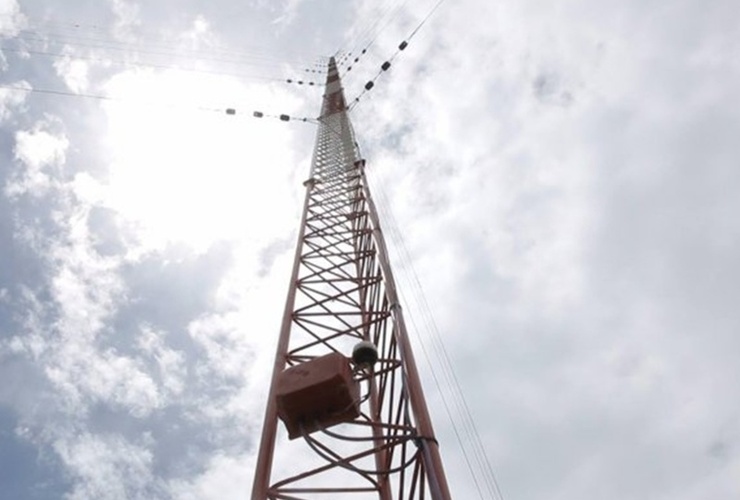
(378, 441)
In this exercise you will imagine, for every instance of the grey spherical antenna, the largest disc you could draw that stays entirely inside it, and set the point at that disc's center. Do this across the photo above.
(365, 354)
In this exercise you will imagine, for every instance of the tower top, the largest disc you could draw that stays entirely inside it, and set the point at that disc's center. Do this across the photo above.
(334, 101)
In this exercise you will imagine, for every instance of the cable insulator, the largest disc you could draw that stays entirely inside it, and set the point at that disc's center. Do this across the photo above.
(403, 45)
(258, 114)
(369, 85)
(385, 66)
(289, 80)
(230, 111)
(349, 68)
(284, 118)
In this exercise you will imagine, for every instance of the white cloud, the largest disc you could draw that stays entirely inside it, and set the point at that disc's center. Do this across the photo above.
(127, 18)
(170, 363)
(224, 343)
(40, 148)
(11, 18)
(288, 14)
(68, 335)
(200, 35)
(32, 323)
(504, 141)
(84, 376)
(85, 284)
(41, 151)
(86, 290)
(73, 71)
(108, 467)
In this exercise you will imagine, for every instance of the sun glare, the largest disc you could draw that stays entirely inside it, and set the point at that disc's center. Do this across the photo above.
(181, 173)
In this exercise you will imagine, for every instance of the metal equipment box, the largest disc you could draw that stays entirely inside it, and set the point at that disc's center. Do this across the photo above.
(317, 394)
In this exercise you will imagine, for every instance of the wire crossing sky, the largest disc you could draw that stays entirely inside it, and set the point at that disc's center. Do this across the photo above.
(559, 179)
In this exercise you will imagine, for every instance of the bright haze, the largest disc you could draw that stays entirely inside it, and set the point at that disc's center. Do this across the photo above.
(561, 179)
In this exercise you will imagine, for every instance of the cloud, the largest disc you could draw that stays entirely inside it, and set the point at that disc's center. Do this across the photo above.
(576, 227)
(170, 363)
(73, 71)
(11, 18)
(97, 367)
(108, 467)
(288, 14)
(11, 99)
(85, 290)
(200, 35)
(127, 15)
(40, 151)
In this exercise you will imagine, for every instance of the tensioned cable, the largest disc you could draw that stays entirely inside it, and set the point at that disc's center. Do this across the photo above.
(139, 51)
(58, 92)
(254, 57)
(158, 48)
(143, 36)
(430, 326)
(384, 207)
(393, 229)
(381, 27)
(370, 35)
(118, 62)
(450, 378)
(426, 18)
(59, 55)
(463, 408)
(171, 48)
(136, 60)
(344, 51)
(101, 97)
(373, 36)
(387, 64)
(471, 435)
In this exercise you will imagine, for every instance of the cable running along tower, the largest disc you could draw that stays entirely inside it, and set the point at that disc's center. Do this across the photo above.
(345, 384)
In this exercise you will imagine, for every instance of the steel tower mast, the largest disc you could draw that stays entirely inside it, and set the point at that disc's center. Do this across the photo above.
(345, 384)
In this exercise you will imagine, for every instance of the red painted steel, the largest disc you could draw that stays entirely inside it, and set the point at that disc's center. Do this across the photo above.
(365, 434)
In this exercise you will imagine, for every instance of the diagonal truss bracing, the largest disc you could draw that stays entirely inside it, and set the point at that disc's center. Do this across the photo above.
(341, 292)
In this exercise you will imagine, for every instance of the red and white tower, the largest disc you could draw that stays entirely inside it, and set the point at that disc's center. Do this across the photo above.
(345, 401)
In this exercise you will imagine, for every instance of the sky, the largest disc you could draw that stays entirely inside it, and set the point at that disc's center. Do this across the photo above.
(558, 182)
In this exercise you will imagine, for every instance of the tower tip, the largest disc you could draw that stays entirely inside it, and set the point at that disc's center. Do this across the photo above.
(334, 96)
